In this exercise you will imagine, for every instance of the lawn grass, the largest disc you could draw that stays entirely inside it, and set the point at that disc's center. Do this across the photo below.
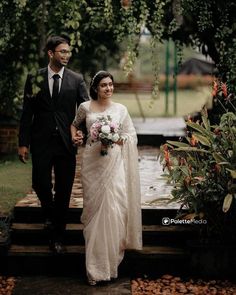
(188, 102)
(15, 182)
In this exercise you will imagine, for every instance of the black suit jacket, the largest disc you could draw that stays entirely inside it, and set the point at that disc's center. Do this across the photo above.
(41, 115)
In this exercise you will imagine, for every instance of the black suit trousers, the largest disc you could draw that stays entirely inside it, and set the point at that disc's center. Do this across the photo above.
(54, 194)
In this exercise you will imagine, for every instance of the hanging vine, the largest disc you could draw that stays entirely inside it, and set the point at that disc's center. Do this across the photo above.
(207, 25)
(108, 13)
(70, 18)
(133, 18)
(155, 24)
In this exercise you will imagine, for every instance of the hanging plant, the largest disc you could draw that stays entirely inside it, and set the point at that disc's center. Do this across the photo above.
(133, 19)
(70, 19)
(108, 13)
(155, 24)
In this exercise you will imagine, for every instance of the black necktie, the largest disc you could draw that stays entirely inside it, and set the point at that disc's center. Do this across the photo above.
(55, 89)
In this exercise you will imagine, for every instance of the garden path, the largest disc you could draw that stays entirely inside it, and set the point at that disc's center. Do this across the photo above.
(155, 191)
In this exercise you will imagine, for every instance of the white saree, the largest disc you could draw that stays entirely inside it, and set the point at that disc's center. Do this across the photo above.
(112, 201)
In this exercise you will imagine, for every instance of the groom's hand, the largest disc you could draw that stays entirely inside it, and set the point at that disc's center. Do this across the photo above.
(78, 138)
(23, 153)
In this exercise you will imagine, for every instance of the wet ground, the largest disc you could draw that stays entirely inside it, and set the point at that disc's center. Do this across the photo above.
(42, 285)
(155, 190)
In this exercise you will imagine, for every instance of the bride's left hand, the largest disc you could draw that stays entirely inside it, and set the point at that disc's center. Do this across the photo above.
(120, 141)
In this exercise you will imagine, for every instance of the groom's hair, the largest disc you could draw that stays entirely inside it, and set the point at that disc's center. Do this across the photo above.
(54, 41)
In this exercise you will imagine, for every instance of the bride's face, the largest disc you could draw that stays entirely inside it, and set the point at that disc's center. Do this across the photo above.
(105, 88)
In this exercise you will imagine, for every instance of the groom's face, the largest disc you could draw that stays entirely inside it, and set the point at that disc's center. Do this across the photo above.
(61, 55)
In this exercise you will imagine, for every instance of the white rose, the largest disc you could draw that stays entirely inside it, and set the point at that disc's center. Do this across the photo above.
(106, 129)
(115, 137)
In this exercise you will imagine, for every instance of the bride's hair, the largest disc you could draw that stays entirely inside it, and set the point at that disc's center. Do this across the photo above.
(95, 81)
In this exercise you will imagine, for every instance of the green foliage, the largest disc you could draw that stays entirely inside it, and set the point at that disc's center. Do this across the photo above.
(25, 27)
(97, 28)
(210, 25)
(223, 101)
(203, 171)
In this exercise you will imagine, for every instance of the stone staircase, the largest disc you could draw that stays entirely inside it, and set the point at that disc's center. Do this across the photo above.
(164, 247)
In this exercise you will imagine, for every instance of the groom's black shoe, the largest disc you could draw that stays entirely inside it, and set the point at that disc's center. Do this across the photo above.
(48, 225)
(57, 248)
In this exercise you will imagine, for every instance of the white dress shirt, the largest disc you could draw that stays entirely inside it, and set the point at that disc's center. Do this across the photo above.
(50, 78)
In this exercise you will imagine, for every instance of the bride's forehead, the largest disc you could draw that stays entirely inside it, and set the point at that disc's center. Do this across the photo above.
(106, 80)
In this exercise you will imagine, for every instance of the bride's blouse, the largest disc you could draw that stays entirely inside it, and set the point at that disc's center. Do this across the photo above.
(116, 111)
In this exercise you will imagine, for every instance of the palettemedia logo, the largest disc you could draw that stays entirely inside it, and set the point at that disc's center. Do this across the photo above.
(169, 221)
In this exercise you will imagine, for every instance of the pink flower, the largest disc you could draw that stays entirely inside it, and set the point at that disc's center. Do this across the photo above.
(224, 89)
(97, 125)
(106, 131)
(94, 133)
(114, 127)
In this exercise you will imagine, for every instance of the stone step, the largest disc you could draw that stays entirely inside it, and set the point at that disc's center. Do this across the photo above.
(34, 214)
(35, 250)
(79, 227)
(38, 259)
(150, 216)
(25, 233)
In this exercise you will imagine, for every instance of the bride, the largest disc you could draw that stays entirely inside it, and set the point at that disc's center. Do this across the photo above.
(110, 178)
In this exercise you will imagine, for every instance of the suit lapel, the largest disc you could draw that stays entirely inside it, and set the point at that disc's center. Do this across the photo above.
(44, 86)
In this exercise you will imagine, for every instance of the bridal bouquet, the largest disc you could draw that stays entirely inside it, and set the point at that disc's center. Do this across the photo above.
(106, 131)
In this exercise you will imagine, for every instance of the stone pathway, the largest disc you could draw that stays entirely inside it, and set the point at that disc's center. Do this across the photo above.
(43, 285)
(155, 191)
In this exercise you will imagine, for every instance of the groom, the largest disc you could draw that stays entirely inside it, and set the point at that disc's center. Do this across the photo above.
(50, 100)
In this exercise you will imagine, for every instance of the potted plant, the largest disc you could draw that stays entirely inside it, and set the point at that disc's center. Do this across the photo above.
(202, 169)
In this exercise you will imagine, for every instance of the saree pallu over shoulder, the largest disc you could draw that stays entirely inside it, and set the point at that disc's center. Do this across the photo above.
(132, 178)
(134, 222)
